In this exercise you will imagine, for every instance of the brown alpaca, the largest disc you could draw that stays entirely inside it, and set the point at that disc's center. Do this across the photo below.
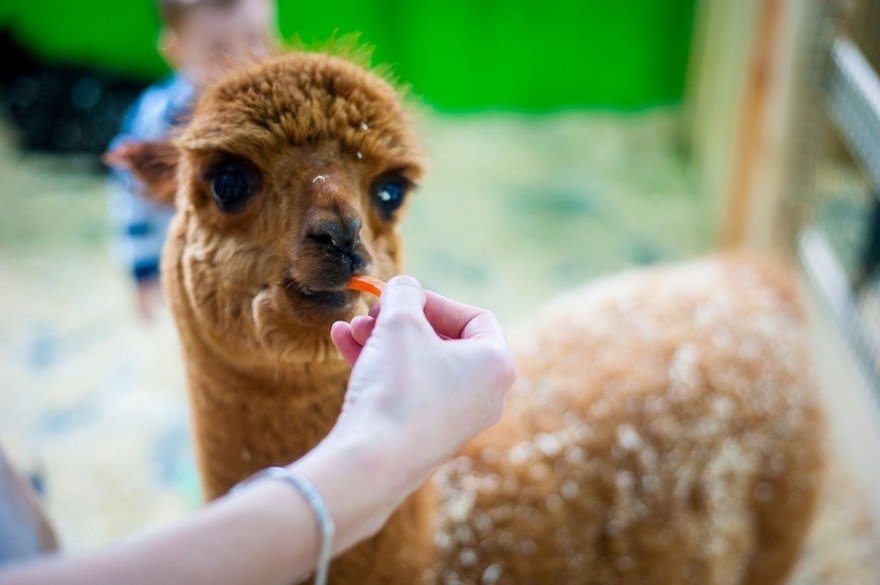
(663, 428)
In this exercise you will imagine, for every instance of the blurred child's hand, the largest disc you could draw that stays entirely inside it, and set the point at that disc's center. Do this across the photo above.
(148, 298)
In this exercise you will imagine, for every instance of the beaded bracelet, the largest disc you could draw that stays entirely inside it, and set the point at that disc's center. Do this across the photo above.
(310, 493)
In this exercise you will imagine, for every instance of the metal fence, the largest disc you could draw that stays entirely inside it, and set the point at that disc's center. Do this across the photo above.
(836, 191)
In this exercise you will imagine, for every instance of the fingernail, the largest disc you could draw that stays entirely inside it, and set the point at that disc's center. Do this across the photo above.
(405, 280)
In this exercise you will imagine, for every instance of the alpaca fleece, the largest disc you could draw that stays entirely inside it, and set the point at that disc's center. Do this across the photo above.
(663, 429)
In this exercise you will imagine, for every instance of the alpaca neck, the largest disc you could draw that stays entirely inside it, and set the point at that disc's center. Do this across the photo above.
(247, 419)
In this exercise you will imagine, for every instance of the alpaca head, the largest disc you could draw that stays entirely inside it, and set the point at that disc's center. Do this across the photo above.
(290, 177)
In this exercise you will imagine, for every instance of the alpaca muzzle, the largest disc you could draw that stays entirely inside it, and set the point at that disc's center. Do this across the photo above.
(340, 239)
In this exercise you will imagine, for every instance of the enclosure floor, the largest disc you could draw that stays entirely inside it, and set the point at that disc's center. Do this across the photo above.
(514, 211)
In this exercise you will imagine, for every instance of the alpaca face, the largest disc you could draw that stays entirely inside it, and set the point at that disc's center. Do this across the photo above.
(292, 177)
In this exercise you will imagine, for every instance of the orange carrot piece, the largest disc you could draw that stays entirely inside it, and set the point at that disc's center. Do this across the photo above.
(366, 284)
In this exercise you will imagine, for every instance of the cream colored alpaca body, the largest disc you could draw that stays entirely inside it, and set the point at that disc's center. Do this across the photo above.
(664, 430)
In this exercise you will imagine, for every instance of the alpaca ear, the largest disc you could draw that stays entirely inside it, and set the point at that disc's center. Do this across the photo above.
(154, 164)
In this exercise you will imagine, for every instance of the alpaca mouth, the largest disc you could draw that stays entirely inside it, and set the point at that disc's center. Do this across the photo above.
(329, 298)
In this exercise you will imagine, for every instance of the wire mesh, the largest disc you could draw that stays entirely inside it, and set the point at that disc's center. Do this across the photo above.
(835, 194)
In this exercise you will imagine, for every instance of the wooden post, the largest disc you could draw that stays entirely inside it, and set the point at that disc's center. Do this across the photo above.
(752, 127)
(741, 99)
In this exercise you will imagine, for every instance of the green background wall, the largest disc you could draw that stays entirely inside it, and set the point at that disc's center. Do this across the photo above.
(457, 55)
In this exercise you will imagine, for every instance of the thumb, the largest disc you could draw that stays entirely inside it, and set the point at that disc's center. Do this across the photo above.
(403, 295)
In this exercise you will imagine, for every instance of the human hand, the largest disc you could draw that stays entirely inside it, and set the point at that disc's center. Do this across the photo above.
(428, 374)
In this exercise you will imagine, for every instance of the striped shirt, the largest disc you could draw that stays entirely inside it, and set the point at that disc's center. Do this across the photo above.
(139, 225)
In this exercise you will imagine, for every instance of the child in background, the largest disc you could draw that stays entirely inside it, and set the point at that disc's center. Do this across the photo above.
(199, 39)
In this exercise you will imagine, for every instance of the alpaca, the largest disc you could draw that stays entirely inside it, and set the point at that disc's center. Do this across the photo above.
(663, 428)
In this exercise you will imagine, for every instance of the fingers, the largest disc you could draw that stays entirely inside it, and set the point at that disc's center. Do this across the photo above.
(341, 334)
(459, 321)
(403, 292)
(351, 338)
(450, 319)
(361, 328)
(484, 326)
(446, 316)
(402, 301)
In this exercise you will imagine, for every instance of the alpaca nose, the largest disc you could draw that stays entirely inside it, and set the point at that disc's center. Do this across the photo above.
(341, 238)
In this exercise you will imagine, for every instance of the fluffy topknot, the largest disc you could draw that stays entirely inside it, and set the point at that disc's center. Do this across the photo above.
(303, 98)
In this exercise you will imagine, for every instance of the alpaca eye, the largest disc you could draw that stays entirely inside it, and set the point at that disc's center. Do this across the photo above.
(388, 193)
(233, 183)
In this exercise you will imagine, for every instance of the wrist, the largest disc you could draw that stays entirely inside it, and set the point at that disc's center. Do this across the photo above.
(382, 448)
(360, 482)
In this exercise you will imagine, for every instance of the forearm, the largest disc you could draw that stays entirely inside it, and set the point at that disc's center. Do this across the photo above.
(266, 534)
